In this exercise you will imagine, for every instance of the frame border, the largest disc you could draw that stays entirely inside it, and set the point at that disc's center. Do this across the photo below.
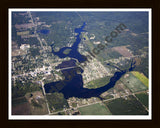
(86, 117)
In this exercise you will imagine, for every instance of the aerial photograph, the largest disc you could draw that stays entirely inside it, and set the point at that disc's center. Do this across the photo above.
(79, 63)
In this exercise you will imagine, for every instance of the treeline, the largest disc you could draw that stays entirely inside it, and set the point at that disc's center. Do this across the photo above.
(143, 67)
(19, 40)
(21, 89)
(31, 41)
(34, 52)
(57, 101)
(19, 19)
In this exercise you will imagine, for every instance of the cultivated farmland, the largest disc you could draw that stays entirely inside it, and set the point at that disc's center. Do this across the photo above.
(143, 97)
(133, 83)
(20, 106)
(126, 106)
(123, 51)
(141, 77)
(95, 109)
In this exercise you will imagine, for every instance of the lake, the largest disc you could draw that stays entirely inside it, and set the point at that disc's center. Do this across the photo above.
(43, 31)
(74, 49)
(72, 85)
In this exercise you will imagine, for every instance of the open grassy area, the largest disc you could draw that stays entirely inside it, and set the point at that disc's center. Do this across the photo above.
(133, 83)
(86, 37)
(98, 82)
(87, 41)
(23, 33)
(67, 51)
(95, 109)
(128, 106)
(141, 77)
(37, 103)
(143, 97)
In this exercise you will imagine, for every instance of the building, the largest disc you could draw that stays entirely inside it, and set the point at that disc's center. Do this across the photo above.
(24, 46)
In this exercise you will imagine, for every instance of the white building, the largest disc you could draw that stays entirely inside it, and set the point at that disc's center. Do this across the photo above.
(24, 46)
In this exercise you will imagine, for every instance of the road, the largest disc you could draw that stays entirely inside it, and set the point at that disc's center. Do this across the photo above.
(35, 30)
(45, 96)
(65, 68)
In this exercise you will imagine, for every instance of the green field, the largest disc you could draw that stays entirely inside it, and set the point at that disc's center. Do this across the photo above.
(57, 101)
(141, 77)
(67, 51)
(133, 83)
(98, 83)
(143, 97)
(87, 41)
(129, 106)
(95, 109)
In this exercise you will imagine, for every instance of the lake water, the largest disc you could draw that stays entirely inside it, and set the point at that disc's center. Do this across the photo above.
(43, 31)
(72, 85)
(74, 49)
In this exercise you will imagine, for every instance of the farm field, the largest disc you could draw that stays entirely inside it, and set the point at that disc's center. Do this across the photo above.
(37, 103)
(123, 51)
(20, 106)
(18, 101)
(128, 106)
(133, 83)
(98, 82)
(143, 97)
(95, 109)
(141, 77)
(23, 33)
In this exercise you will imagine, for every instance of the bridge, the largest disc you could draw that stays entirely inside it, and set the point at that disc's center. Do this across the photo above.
(65, 68)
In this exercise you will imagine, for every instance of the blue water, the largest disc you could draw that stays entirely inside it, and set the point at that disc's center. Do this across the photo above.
(72, 85)
(65, 64)
(43, 31)
(74, 49)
